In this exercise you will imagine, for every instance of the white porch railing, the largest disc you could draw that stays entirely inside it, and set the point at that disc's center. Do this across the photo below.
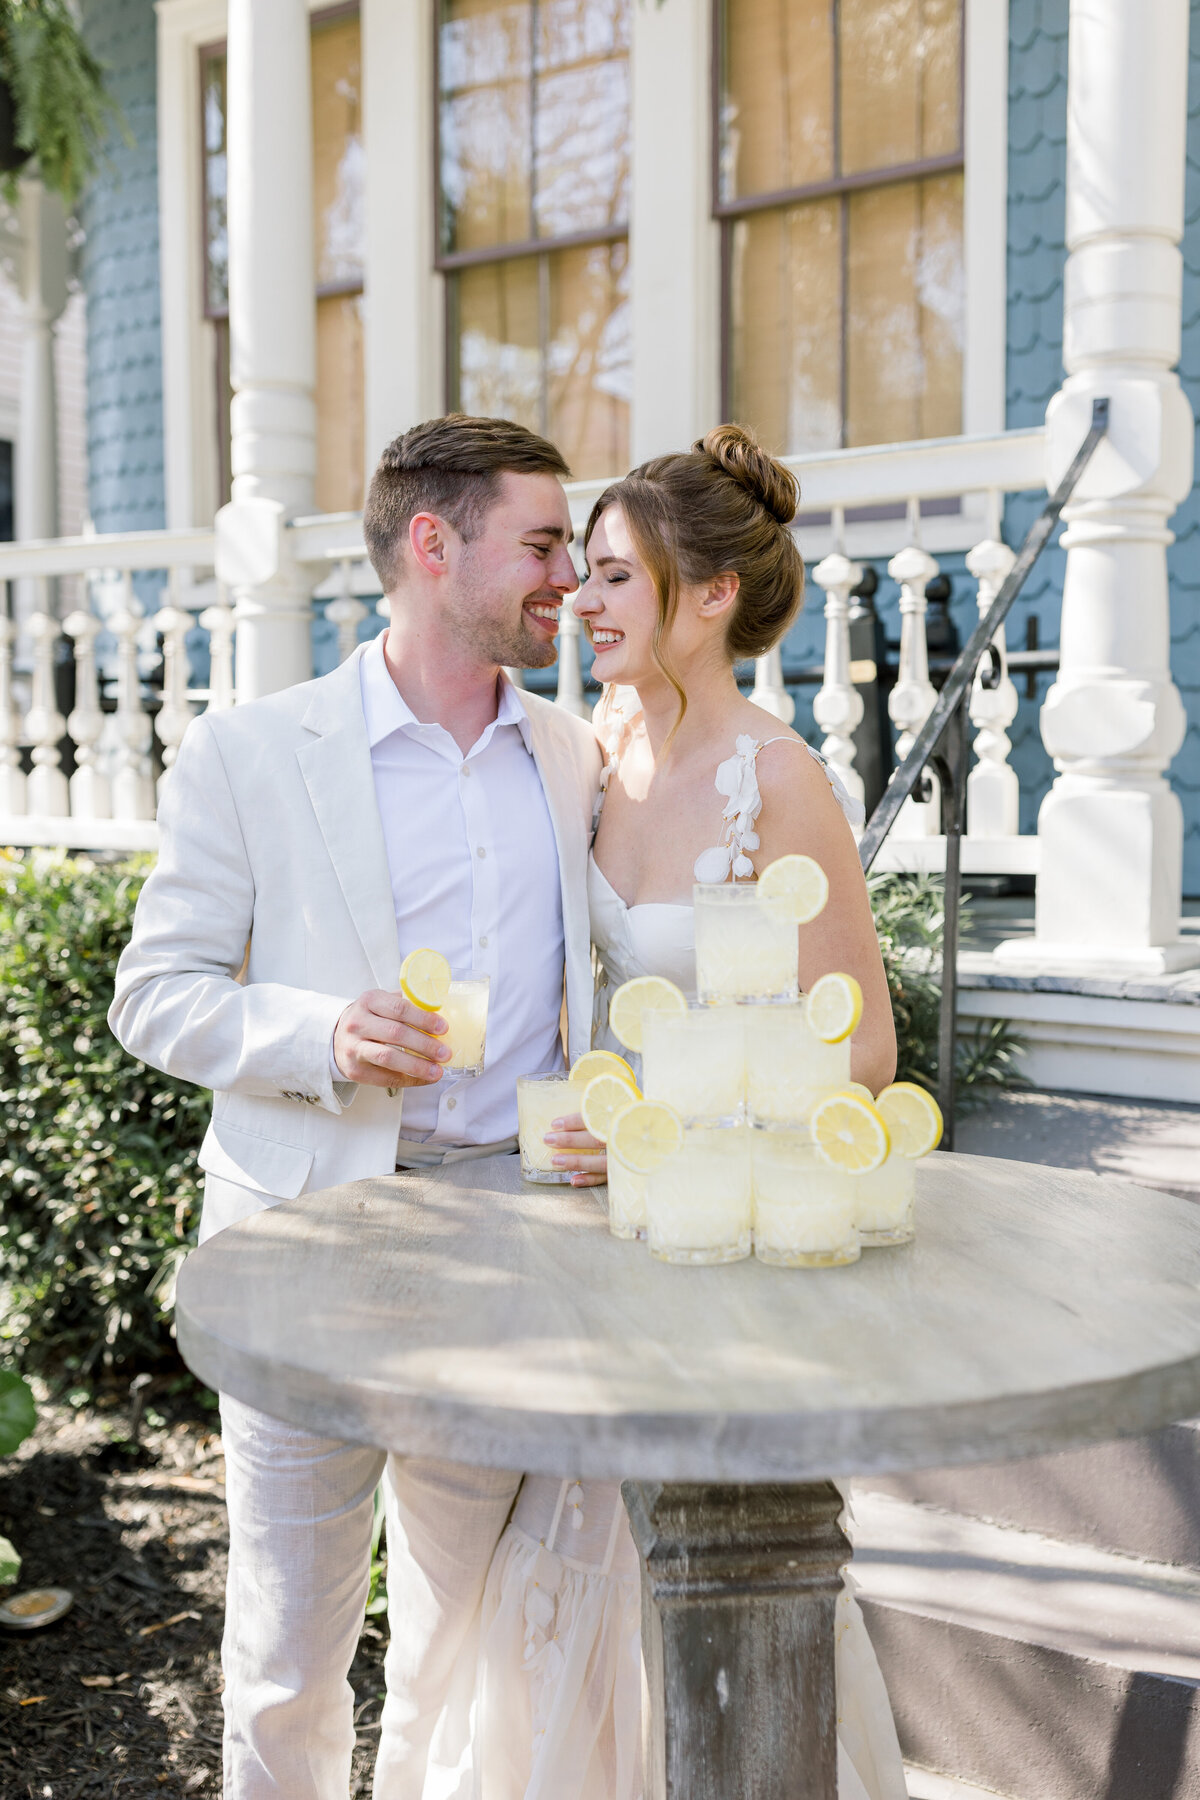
(123, 730)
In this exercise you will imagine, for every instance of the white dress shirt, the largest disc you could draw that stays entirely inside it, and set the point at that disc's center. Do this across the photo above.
(474, 871)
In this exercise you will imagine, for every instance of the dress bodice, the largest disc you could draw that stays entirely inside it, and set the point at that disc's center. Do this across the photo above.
(658, 937)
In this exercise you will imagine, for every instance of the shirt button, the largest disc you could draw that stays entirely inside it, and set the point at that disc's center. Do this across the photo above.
(465, 770)
(450, 1105)
(483, 943)
(481, 852)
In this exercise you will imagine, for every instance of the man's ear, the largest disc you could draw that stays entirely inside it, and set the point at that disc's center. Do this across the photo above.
(719, 595)
(428, 539)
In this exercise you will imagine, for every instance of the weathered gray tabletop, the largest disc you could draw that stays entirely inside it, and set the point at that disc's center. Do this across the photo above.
(463, 1313)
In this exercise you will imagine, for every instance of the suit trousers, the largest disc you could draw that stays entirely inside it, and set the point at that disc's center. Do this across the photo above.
(300, 1514)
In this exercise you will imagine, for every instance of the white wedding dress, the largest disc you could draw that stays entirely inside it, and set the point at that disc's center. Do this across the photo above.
(546, 1698)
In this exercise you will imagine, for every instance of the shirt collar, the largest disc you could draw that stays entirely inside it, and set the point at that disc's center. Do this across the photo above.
(386, 710)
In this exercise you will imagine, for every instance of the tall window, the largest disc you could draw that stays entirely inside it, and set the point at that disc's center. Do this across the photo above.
(339, 236)
(533, 162)
(839, 189)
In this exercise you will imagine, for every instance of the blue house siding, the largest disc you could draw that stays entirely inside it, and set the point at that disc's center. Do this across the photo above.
(120, 273)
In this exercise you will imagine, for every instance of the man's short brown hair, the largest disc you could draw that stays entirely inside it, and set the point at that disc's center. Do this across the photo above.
(451, 467)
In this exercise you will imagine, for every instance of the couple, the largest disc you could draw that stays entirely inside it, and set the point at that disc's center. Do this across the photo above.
(415, 797)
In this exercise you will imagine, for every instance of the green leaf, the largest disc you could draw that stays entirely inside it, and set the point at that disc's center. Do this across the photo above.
(18, 1414)
(10, 1563)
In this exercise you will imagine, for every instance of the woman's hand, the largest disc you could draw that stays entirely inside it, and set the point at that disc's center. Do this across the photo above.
(579, 1151)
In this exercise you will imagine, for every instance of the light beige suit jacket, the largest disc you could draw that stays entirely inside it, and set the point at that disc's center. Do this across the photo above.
(270, 833)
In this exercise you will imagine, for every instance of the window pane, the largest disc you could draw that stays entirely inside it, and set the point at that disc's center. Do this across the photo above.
(581, 116)
(485, 67)
(337, 152)
(499, 354)
(905, 312)
(900, 63)
(785, 301)
(534, 119)
(545, 340)
(339, 404)
(216, 236)
(777, 95)
(588, 358)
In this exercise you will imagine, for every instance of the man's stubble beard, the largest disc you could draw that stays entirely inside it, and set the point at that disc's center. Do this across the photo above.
(487, 639)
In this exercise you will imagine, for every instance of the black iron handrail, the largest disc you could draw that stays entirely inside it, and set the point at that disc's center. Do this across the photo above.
(941, 745)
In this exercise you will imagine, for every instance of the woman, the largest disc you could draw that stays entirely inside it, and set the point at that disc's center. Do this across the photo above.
(692, 569)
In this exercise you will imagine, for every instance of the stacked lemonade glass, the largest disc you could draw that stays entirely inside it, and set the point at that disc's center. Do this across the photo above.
(750, 1132)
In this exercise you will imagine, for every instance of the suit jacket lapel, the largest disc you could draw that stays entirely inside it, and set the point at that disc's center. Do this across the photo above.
(336, 766)
(567, 805)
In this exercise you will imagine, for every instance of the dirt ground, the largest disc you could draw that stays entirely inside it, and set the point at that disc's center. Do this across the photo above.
(123, 1696)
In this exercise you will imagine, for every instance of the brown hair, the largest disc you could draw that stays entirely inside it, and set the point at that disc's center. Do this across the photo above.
(451, 467)
(724, 506)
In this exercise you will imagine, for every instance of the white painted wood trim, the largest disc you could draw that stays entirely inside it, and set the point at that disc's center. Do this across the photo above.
(404, 351)
(985, 214)
(188, 348)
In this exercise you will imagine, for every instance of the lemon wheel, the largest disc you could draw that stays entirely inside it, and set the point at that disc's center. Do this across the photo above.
(644, 1134)
(834, 1007)
(913, 1118)
(425, 979)
(796, 886)
(601, 1062)
(604, 1097)
(634, 999)
(849, 1133)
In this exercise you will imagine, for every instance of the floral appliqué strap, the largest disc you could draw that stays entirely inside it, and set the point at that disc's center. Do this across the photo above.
(737, 781)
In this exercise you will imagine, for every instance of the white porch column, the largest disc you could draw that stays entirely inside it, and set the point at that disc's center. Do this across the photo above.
(272, 327)
(673, 240)
(42, 279)
(1110, 828)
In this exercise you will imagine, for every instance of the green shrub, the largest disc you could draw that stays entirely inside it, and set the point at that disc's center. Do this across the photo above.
(99, 1191)
(909, 911)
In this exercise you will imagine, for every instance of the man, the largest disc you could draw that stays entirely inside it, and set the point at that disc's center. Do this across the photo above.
(411, 798)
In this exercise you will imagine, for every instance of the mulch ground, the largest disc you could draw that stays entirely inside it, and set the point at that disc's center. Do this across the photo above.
(123, 1696)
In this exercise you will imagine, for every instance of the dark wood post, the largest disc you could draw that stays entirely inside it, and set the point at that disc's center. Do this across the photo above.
(739, 1585)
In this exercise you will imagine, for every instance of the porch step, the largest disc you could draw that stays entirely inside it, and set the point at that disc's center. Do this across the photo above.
(1027, 1666)
(1139, 1496)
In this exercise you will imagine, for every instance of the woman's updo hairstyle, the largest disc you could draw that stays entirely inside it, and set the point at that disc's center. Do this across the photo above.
(723, 506)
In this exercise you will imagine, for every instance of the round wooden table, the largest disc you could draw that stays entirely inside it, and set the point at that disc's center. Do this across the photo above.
(462, 1313)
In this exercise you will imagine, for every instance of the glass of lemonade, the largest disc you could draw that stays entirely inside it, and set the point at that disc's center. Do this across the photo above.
(540, 1100)
(746, 951)
(805, 1213)
(788, 1067)
(885, 1201)
(695, 1062)
(465, 1011)
(698, 1202)
(626, 1199)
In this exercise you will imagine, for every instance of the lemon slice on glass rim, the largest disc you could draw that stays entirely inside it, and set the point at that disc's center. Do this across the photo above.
(643, 1135)
(633, 999)
(425, 979)
(603, 1098)
(833, 1007)
(849, 1133)
(913, 1118)
(602, 1062)
(796, 886)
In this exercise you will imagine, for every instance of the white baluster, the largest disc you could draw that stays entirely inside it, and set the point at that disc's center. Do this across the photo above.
(220, 623)
(993, 791)
(12, 777)
(570, 669)
(837, 704)
(175, 714)
(132, 786)
(48, 793)
(345, 612)
(911, 700)
(91, 797)
(768, 690)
